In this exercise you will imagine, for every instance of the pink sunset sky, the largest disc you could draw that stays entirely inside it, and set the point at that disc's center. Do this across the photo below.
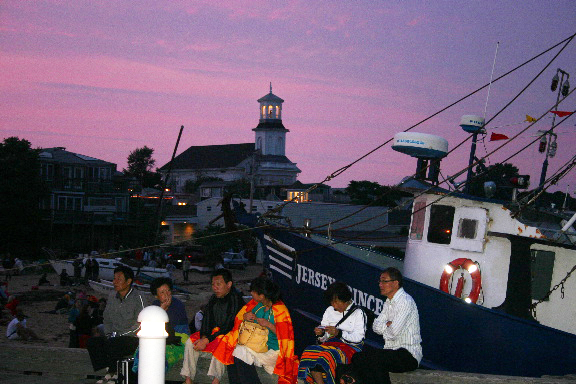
(103, 78)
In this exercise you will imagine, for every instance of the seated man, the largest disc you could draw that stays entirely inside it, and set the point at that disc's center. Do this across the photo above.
(17, 328)
(218, 320)
(399, 325)
(120, 326)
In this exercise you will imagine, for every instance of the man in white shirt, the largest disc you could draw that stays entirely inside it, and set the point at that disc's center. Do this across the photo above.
(17, 328)
(399, 325)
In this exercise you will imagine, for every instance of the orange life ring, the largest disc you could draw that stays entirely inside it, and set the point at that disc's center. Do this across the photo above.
(474, 272)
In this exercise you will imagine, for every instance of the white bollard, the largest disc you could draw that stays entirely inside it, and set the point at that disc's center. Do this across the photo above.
(152, 351)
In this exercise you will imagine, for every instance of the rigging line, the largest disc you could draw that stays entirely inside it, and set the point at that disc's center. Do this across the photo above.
(529, 196)
(551, 181)
(343, 240)
(476, 176)
(508, 141)
(461, 143)
(491, 76)
(341, 170)
(427, 190)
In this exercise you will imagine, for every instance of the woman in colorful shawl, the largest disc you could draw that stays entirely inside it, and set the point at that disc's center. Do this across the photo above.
(341, 334)
(268, 310)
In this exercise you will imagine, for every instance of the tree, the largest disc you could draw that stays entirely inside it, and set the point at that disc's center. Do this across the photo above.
(369, 192)
(140, 164)
(499, 173)
(21, 189)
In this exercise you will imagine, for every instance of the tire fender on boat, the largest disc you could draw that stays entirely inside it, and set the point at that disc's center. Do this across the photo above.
(474, 271)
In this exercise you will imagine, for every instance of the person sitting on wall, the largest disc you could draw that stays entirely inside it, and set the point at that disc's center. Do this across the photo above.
(120, 326)
(399, 325)
(267, 309)
(218, 320)
(340, 335)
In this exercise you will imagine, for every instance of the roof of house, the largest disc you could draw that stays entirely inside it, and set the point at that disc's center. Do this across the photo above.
(61, 155)
(212, 156)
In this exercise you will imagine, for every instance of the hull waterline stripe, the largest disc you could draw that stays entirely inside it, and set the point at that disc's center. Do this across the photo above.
(280, 271)
(280, 262)
(279, 253)
(271, 240)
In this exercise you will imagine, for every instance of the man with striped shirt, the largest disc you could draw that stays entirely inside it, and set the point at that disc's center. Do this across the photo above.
(399, 325)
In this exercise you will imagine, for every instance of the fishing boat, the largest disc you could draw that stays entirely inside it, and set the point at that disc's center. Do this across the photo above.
(492, 277)
(107, 266)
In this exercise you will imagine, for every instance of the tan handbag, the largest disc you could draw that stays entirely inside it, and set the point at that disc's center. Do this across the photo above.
(253, 336)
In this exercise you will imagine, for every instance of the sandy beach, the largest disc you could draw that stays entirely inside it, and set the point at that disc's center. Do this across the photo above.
(37, 302)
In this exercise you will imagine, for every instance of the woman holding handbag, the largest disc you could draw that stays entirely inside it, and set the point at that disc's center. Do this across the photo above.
(277, 357)
(340, 335)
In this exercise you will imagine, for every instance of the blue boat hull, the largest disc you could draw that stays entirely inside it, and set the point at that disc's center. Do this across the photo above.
(456, 336)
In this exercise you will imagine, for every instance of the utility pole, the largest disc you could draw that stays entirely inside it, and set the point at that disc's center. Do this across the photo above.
(252, 178)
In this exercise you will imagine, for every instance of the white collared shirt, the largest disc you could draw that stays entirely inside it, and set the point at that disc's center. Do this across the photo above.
(404, 331)
(353, 328)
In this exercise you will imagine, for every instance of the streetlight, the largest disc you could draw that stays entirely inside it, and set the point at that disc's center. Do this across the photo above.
(563, 87)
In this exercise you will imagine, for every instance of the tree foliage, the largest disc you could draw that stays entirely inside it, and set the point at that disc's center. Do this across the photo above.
(499, 173)
(21, 189)
(140, 165)
(369, 192)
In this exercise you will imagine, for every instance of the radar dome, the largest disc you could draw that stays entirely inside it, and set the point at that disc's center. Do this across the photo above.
(420, 145)
(472, 123)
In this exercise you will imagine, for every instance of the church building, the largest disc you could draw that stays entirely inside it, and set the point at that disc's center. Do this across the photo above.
(264, 161)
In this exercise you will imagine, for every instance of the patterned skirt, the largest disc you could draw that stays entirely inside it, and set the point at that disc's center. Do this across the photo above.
(326, 356)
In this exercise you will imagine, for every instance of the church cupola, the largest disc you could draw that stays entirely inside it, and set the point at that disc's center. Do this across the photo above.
(270, 132)
(270, 107)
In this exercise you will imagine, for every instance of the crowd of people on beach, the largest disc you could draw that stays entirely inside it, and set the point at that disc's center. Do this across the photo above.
(239, 335)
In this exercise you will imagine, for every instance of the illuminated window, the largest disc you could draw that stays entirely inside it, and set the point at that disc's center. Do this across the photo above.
(298, 197)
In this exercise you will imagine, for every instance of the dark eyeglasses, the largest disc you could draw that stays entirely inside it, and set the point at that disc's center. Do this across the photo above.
(385, 281)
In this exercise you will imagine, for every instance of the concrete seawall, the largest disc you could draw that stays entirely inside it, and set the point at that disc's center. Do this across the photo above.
(32, 363)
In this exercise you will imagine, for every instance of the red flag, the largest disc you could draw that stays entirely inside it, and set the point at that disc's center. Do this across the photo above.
(498, 136)
(562, 113)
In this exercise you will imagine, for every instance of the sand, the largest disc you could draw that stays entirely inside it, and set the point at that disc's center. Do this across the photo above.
(37, 302)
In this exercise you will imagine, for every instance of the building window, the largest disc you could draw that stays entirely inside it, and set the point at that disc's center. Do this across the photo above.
(208, 208)
(47, 172)
(104, 174)
(206, 192)
(67, 177)
(69, 203)
(440, 227)
(297, 196)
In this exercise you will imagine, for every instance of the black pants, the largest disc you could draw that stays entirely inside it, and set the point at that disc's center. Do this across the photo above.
(372, 366)
(104, 352)
(242, 373)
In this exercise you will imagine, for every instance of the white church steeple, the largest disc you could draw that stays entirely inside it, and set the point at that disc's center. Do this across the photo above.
(270, 132)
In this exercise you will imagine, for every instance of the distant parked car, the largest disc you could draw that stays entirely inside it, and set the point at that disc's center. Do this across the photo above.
(231, 259)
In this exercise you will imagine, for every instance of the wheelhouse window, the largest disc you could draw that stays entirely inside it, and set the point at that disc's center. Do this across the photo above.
(441, 220)
(541, 272)
(467, 228)
(417, 227)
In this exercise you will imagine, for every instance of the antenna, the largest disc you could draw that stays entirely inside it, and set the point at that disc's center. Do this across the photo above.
(491, 77)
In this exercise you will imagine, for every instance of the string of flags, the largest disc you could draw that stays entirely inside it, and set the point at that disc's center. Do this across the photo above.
(499, 136)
